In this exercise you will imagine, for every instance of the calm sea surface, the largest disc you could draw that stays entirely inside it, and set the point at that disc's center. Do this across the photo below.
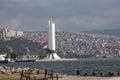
(69, 67)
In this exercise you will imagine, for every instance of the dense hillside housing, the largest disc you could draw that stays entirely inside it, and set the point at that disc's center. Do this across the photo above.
(68, 45)
(6, 34)
(81, 45)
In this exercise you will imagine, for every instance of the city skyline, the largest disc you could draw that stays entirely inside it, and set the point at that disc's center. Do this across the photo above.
(69, 15)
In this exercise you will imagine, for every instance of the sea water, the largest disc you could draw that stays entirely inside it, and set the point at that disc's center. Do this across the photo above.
(69, 67)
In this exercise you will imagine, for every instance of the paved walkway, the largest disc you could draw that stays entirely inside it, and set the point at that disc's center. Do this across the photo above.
(88, 78)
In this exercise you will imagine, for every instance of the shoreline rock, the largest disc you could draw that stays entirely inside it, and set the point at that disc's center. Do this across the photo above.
(11, 70)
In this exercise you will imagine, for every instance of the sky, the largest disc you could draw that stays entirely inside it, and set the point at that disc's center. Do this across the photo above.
(69, 15)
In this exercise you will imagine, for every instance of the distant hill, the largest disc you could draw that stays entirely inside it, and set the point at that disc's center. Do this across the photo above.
(113, 32)
(20, 45)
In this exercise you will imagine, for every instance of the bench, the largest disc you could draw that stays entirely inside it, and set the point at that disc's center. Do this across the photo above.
(49, 74)
(28, 75)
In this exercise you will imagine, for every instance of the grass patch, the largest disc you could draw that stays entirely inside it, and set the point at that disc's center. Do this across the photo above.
(13, 77)
(9, 77)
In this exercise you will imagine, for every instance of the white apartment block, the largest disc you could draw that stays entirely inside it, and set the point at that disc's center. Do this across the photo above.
(6, 34)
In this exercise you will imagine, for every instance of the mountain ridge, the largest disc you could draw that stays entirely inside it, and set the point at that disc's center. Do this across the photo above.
(112, 32)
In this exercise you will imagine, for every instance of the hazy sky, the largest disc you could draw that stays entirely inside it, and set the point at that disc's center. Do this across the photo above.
(69, 15)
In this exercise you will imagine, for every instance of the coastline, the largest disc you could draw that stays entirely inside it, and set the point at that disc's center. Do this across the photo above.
(9, 73)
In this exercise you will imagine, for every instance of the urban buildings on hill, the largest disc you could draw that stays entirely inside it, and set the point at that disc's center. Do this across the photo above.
(6, 34)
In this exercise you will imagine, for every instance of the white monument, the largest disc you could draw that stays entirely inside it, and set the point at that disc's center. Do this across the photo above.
(51, 41)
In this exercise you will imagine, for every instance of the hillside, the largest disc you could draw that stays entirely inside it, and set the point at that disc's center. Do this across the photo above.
(68, 44)
(81, 45)
(20, 45)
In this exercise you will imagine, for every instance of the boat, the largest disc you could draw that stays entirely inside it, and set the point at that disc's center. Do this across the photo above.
(3, 58)
(3, 61)
(26, 58)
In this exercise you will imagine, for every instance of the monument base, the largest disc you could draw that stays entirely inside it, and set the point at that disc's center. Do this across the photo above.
(52, 56)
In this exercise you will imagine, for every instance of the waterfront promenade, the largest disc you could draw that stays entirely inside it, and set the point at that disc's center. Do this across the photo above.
(8, 73)
(67, 77)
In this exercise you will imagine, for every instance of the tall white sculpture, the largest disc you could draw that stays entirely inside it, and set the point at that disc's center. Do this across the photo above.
(51, 41)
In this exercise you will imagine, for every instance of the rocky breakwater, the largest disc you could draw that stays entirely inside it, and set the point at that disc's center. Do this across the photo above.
(11, 70)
